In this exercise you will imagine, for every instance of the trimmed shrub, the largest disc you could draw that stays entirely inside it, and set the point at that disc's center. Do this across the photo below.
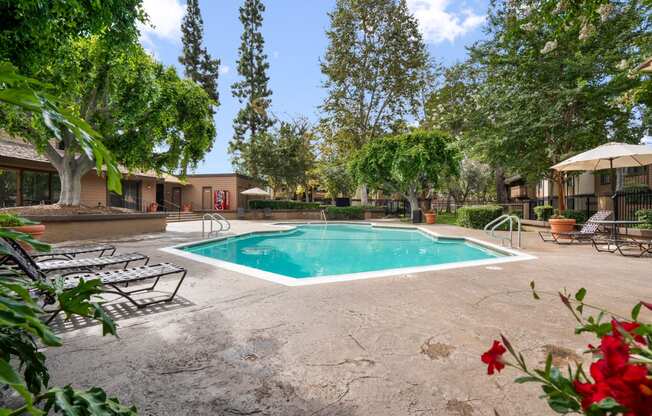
(345, 213)
(544, 212)
(579, 216)
(646, 216)
(478, 216)
(273, 204)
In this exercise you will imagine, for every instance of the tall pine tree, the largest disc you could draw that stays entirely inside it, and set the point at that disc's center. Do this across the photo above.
(252, 91)
(198, 63)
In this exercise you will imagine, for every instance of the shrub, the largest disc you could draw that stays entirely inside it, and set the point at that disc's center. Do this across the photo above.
(579, 216)
(285, 204)
(12, 220)
(544, 212)
(644, 215)
(478, 216)
(345, 213)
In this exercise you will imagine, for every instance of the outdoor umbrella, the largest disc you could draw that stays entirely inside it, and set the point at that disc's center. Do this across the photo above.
(255, 192)
(608, 156)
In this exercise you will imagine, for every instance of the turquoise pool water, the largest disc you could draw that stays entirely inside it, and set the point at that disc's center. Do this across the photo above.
(335, 249)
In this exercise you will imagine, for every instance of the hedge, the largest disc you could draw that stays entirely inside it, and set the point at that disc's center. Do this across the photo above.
(579, 216)
(646, 216)
(478, 216)
(273, 204)
(345, 213)
(544, 212)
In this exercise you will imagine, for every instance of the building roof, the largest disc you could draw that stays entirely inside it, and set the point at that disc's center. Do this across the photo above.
(15, 148)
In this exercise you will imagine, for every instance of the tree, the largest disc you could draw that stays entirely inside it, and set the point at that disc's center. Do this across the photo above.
(548, 84)
(284, 156)
(147, 116)
(252, 91)
(407, 163)
(198, 63)
(376, 65)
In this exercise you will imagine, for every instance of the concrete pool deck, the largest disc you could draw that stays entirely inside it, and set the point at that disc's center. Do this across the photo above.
(232, 344)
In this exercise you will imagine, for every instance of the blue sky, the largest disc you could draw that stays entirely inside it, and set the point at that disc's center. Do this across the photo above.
(294, 32)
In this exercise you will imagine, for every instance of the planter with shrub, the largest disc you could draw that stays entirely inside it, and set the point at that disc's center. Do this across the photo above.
(544, 212)
(579, 216)
(22, 225)
(281, 204)
(431, 217)
(645, 216)
(345, 213)
(559, 224)
(478, 216)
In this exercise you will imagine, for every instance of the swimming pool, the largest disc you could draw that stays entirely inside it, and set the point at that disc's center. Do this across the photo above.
(317, 253)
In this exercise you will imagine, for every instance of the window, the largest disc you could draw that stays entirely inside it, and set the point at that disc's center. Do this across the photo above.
(605, 178)
(35, 187)
(8, 187)
(634, 171)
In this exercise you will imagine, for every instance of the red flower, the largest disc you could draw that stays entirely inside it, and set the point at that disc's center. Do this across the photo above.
(592, 393)
(628, 327)
(494, 357)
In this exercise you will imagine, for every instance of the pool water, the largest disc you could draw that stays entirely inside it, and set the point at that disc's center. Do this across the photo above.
(336, 249)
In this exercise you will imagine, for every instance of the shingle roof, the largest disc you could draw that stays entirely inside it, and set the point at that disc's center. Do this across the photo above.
(13, 147)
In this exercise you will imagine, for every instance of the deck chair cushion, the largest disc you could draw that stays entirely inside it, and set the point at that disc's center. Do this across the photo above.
(50, 265)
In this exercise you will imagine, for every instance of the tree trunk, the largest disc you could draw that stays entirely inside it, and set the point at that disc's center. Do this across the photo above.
(501, 190)
(364, 195)
(70, 187)
(71, 167)
(414, 203)
(559, 177)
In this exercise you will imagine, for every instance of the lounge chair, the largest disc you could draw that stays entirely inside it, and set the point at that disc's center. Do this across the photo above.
(85, 264)
(110, 278)
(70, 252)
(584, 235)
(644, 246)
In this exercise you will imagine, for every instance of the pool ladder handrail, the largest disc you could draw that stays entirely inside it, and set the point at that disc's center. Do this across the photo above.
(500, 221)
(224, 224)
(322, 216)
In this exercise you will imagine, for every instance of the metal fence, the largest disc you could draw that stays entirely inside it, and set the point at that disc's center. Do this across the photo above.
(588, 204)
(626, 203)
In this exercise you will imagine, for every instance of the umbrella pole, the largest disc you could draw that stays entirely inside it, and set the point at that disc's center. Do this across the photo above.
(613, 177)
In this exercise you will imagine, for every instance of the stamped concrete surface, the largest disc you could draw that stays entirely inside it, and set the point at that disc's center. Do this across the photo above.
(232, 344)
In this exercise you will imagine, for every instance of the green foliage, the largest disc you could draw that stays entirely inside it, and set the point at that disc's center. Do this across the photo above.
(278, 204)
(284, 156)
(12, 220)
(407, 163)
(252, 91)
(579, 216)
(644, 215)
(478, 216)
(345, 213)
(198, 63)
(543, 212)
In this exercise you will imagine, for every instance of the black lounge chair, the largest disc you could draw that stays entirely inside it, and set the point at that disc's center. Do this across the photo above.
(585, 235)
(87, 264)
(644, 246)
(110, 278)
(70, 252)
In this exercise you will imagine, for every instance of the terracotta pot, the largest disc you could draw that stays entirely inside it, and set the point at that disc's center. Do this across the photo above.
(186, 208)
(153, 207)
(35, 230)
(561, 225)
(431, 217)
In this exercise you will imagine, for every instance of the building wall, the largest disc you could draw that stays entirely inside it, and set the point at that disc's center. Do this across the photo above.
(93, 190)
(192, 192)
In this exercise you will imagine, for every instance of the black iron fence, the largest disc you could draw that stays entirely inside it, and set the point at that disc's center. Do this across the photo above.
(588, 204)
(626, 203)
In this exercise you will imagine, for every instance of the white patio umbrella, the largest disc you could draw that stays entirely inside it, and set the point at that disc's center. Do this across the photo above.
(255, 192)
(608, 156)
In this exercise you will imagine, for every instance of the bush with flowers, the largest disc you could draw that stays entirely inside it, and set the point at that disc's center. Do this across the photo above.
(619, 380)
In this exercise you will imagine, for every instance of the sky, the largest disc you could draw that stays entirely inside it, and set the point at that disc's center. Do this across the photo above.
(295, 40)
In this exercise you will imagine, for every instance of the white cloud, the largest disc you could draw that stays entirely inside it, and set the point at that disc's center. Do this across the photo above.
(164, 21)
(438, 23)
(224, 69)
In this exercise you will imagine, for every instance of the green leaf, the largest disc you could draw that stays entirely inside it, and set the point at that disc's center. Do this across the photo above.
(526, 379)
(579, 296)
(636, 311)
(9, 377)
(548, 365)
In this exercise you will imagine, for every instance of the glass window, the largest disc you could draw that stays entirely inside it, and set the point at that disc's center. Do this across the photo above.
(55, 187)
(35, 187)
(8, 187)
(605, 178)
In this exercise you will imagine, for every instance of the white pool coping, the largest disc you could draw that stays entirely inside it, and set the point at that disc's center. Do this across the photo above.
(512, 256)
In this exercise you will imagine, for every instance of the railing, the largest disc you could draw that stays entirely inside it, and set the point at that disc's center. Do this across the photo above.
(490, 229)
(626, 203)
(223, 223)
(323, 216)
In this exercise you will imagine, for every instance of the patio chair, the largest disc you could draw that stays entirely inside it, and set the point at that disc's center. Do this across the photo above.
(69, 253)
(240, 213)
(644, 246)
(584, 235)
(86, 264)
(110, 278)
(267, 213)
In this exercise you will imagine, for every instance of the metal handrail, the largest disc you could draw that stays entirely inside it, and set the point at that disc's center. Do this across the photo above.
(500, 221)
(224, 224)
(323, 216)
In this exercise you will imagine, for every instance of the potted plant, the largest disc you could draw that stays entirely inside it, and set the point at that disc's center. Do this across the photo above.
(431, 217)
(22, 225)
(153, 207)
(560, 224)
(186, 207)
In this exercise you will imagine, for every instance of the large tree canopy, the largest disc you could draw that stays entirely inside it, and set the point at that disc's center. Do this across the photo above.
(406, 163)
(376, 65)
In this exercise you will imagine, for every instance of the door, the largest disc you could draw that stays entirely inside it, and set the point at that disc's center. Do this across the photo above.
(160, 196)
(176, 197)
(207, 198)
